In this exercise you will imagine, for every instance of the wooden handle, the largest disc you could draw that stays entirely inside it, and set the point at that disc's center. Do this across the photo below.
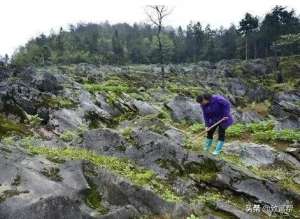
(217, 123)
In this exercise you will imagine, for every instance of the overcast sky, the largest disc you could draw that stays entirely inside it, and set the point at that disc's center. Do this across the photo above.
(21, 20)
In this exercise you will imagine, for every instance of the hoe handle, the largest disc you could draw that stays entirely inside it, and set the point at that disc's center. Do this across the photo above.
(217, 123)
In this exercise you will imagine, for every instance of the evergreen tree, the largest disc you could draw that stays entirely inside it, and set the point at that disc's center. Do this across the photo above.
(247, 25)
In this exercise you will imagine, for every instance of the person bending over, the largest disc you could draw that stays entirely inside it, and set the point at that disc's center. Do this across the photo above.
(215, 108)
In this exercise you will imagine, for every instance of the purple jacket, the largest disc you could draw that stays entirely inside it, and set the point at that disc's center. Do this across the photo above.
(217, 108)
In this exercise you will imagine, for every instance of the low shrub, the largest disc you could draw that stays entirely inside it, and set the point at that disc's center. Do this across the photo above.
(236, 130)
(197, 127)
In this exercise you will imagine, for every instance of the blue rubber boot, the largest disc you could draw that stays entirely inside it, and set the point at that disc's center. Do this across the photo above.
(218, 148)
(208, 144)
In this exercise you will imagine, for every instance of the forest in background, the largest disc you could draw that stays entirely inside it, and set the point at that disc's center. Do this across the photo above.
(277, 33)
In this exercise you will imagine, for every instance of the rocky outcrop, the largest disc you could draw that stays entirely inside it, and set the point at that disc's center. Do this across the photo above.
(66, 119)
(223, 206)
(119, 192)
(262, 190)
(48, 208)
(33, 187)
(185, 109)
(47, 82)
(286, 109)
(133, 125)
(144, 108)
(104, 141)
(252, 154)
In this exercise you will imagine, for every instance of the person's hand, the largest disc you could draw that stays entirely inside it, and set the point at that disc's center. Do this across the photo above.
(206, 128)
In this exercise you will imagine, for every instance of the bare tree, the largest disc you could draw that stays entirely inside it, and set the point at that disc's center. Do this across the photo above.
(157, 14)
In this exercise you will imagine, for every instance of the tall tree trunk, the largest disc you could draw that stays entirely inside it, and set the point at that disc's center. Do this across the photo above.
(255, 49)
(246, 47)
(161, 58)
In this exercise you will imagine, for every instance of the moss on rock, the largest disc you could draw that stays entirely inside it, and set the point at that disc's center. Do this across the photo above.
(139, 176)
(8, 127)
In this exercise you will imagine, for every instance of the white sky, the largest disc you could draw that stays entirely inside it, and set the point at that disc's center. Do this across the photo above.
(21, 20)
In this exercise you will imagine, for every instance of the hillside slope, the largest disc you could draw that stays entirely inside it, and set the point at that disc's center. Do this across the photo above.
(86, 141)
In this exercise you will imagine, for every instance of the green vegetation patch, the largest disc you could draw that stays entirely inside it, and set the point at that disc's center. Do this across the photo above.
(52, 173)
(93, 199)
(209, 198)
(127, 134)
(236, 130)
(123, 167)
(8, 127)
(57, 102)
(263, 132)
(205, 171)
(289, 66)
(68, 136)
(282, 174)
(191, 91)
(114, 85)
(286, 135)
(196, 128)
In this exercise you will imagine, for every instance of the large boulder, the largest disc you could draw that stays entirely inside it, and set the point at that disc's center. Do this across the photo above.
(294, 150)
(118, 191)
(185, 109)
(102, 102)
(262, 190)
(90, 110)
(144, 108)
(258, 94)
(252, 154)
(175, 135)
(246, 116)
(286, 109)
(47, 208)
(48, 83)
(125, 212)
(34, 187)
(227, 176)
(223, 206)
(105, 141)
(66, 119)
(17, 96)
(156, 152)
(237, 87)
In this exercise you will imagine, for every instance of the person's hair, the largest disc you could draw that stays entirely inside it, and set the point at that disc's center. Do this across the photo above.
(205, 96)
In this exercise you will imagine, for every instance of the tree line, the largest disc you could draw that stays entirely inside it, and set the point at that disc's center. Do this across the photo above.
(278, 33)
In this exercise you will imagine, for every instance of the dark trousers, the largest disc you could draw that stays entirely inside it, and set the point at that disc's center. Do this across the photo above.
(221, 133)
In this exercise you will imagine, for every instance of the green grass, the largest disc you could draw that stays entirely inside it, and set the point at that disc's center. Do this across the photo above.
(192, 216)
(263, 132)
(113, 85)
(191, 91)
(123, 167)
(93, 88)
(94, 200)
(286, 135)
(236, 130)
(288, 66)
(196, 128)
(8, 127)
(282, 174)
(68, 136)
(58, 102)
